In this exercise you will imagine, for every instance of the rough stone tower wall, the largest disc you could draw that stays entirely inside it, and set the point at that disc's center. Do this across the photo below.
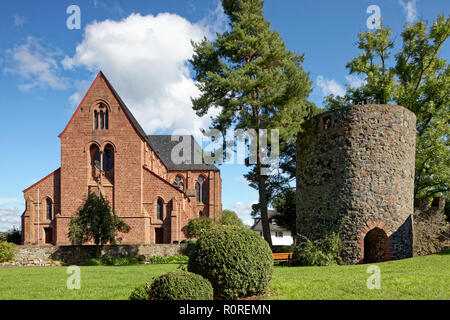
(355, 172)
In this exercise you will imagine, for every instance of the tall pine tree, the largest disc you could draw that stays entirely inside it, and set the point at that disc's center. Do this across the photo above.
(254, 81)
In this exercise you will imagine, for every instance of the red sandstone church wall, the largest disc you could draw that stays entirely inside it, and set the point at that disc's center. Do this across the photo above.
(48, 189)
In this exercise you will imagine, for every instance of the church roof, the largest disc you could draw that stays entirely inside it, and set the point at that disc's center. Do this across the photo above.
(163, 145)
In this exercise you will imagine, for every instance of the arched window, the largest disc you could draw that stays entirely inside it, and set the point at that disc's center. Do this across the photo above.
(106, 120)
(200, 214)
(108, 158)
(159, 209)
(95, 164)
(197, 191)
(204, 192)
(101, 111)
(102, 120)
(49, 209)
(179, 182)
(201, 190)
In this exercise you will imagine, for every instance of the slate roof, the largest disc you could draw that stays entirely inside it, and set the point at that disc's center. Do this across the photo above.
(272, 225)
(163, 145)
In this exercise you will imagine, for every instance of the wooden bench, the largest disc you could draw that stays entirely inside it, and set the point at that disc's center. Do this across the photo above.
(282, 257)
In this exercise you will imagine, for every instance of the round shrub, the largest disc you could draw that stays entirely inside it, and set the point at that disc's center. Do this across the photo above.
(180, 285)
(197, 226)
(141, 292)
(237, 262)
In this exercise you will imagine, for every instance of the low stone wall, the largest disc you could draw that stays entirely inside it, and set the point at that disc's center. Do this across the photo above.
(55, 255)
(431, 230)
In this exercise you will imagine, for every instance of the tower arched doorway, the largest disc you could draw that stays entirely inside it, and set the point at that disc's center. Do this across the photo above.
(376, 246)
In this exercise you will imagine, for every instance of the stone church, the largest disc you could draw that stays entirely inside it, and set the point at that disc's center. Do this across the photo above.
(104, 150)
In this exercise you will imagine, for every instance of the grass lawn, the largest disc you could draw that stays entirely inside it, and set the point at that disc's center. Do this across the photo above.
(417, 278)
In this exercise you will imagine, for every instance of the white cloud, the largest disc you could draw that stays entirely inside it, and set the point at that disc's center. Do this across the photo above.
(330, 86)
(410, 10)
(354, 81)
(145, 58)
(19, 20)
(244, 211)
(9, 217)
(82, 87)
(35, 65)
(9, 200)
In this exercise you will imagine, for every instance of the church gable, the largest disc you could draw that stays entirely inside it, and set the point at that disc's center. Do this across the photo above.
(101, 113)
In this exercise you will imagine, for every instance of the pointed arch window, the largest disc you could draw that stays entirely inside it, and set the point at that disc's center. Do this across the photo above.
(102, 120)
(201, 190)
(108, 159)
(49, 209)
(101, 117)
(197, 191)
(159, 209)
(179, 182)
(204, 192)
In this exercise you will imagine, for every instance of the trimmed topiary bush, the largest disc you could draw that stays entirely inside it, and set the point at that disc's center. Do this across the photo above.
(141, 292)
(196, 227)
(180, 285)
(237, 262)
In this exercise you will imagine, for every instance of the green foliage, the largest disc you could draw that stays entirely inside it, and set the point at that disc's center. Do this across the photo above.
(237, 262)
(197, 226)
(281, 249)
(111, 262)
(93, 262)
(253, 81)
(141, 258)
(96, 221)
(321, 252)
(180, 285)
(14, 235)
(419, 80)
(141, 292)
(7, 251)
(285, 205)
(119, 261)
(230, 218)
(169, 259)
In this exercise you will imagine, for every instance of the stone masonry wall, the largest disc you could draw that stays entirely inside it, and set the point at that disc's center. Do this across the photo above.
(355, 169)
(43, 255)
(431, 230)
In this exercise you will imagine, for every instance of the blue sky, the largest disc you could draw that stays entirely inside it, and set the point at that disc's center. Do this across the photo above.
(142, 47)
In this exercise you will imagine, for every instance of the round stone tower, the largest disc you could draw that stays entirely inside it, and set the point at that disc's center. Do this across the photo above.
(355, 173)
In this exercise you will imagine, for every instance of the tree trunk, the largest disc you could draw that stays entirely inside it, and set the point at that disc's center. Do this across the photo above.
(98, 251)
(262, 195)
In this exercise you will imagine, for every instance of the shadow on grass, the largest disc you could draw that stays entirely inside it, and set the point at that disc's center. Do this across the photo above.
(444, 252)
